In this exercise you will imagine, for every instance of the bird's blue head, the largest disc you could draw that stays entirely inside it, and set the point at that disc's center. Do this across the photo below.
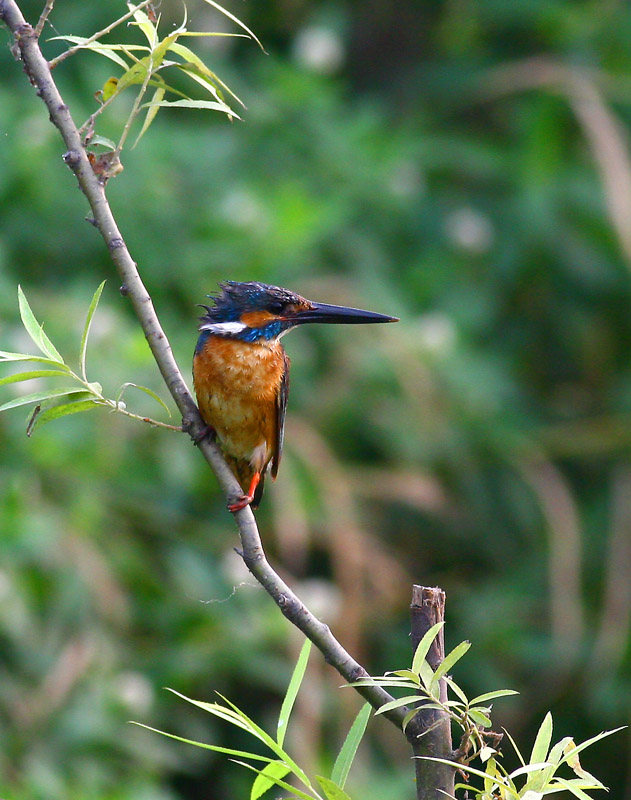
(256, 312)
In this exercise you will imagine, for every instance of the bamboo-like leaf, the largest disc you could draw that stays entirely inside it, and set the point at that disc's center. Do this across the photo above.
(151, 113)
(193, 61)
(588, 742)
(456, 689)
(556, 752)
(280, 782)
(29, 376)
(423, 646)
(407, 674)
(104, 141)
(106, 50)
(214, 747)
(144, 389)
(143, 22)
(542, 740)
(573, 789)
(495, 778)
(38, 397)
(292, 691)
(209, 105)
(6, 356)
(39, 418)
(331, 789)
(35, 330)
(528, 768)
(450, 659)
(515, 748)
(237, 21)
(401, 701)
(345, 758)
(86, 328)
(481, 698)
(267, 778)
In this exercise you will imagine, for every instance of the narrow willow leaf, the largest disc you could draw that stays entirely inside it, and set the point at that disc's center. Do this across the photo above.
(292, 691)
(456, 689)
(408, 674)
(588, 742)
(144, 389)
(495, 778)
(237, 21)
(267, 778)
(573, 789)
(515, 748)
(556, 753)
(423, 647)
(86, 328)
(40, 418)
(331, 789)
(209, 105)
(194, 61)
(347, 753)
(408, 718)
(401, 701)
(280, 782)
(37, 397)
(106, 50)
(35, 330)
(143, 22)
(29, 376)
(214, 747)
(450, 659)
(481, 698)
(479, 717)
(542, 740)
(528, 768)
(103, 141)
(151, 113)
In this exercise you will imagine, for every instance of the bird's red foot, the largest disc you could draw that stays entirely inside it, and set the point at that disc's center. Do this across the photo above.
(240, 503)
(245, 499)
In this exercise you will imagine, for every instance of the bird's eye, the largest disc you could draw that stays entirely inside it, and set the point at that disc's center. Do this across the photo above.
(276, 307)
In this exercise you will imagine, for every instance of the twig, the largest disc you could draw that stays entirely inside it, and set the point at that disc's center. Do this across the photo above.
(44, 16)
(63, 56)
(252, 551)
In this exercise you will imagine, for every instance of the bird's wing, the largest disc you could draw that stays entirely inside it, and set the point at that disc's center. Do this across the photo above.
(281, 408)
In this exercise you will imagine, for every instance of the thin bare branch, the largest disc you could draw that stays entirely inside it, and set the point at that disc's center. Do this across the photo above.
(44, 16)
(76, 159)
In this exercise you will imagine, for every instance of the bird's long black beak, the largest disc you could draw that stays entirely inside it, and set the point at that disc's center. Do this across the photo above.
(323, 312)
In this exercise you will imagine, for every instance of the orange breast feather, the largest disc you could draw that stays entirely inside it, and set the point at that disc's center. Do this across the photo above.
(237, 386)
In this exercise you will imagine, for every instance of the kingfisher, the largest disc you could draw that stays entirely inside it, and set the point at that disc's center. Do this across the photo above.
(241, 373)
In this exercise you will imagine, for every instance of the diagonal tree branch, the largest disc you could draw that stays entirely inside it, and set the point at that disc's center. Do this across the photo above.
(27, 49)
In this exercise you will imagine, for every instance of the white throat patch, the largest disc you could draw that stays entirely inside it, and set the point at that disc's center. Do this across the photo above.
(223, 327)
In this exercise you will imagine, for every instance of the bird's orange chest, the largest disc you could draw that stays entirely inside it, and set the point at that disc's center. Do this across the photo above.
(237, 386)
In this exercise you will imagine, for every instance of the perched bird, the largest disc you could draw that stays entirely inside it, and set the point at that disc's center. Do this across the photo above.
(241, 373)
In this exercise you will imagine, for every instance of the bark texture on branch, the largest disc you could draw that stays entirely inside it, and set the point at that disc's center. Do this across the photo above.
(432, 734)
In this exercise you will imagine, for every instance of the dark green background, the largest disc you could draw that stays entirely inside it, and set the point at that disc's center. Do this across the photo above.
(465, 166)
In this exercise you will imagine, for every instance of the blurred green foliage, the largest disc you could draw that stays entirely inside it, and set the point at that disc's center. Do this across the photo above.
(464, 165)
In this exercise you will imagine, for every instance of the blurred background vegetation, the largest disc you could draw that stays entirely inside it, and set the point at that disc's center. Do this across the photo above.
(463, 164)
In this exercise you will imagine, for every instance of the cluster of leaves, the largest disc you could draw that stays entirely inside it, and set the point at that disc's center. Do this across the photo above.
(538, 775)
(79, 394)
(145, 70)
(280, 764)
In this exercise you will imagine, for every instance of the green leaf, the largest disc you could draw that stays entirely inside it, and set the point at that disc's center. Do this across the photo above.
(479, 718)
(145, 25)
(215, 748)
(234, 19)
(194, 63)
(106, 50)
(573, 789)
(408, 674)
(267, 778)
(103, 141)
(423, 646)
(86, 329)
(37, 397)
(35, 330)
(450, 659)
(144, 389)
(347, 753)
(331, 789)
(456, 689)
(210, 105)
(29, 376)
(401, 701)
(542, 741)
(588, 742)
(151, 113)
(279, 782)
(515, 748)
(292, 691)
(481, 698)
(40, 418)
